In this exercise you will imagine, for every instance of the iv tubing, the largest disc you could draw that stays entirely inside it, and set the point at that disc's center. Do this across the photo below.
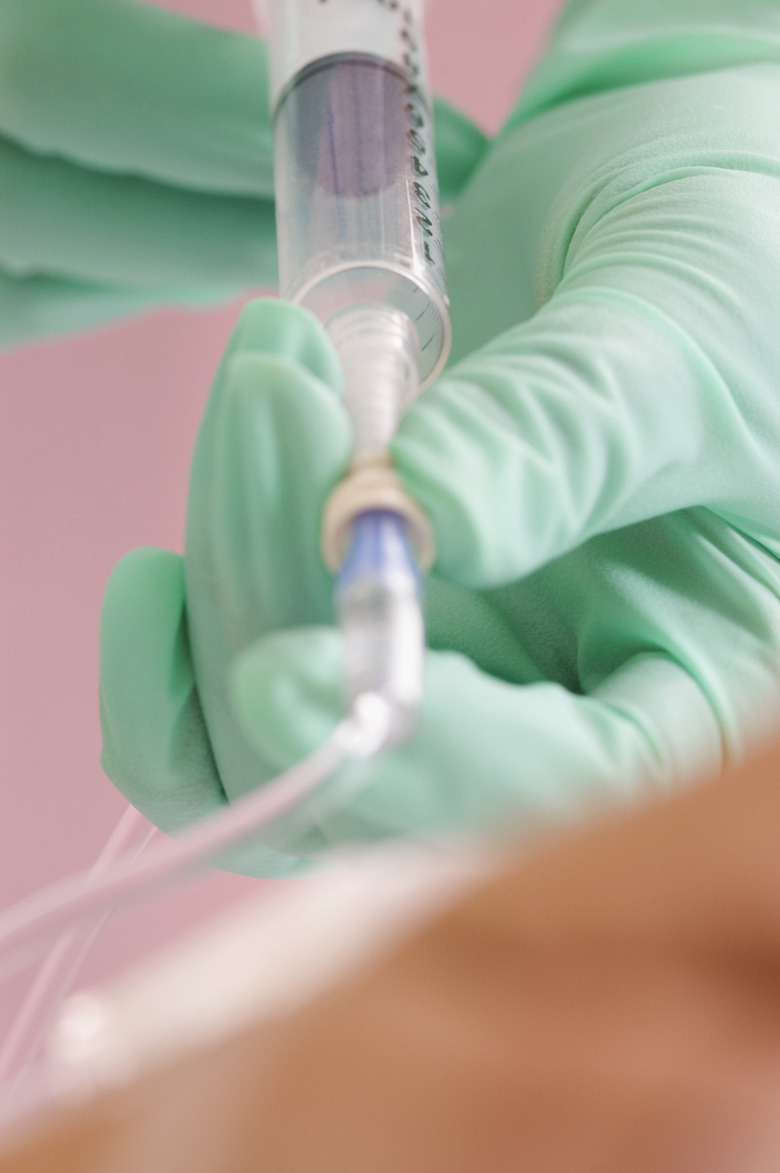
(63, 963)
(360, 737)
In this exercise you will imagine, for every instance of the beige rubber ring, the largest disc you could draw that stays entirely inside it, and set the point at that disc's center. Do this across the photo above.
(375, 486)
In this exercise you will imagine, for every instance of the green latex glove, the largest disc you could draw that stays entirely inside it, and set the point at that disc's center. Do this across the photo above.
(135, 163)
(600, 464)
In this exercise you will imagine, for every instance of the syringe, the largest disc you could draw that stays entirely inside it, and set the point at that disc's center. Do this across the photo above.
(359, 244)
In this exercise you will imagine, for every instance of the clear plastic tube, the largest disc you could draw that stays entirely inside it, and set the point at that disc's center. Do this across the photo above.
(63, 963)
(31, 922)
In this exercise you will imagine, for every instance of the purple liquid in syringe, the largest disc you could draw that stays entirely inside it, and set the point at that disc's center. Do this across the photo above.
(347, 123)
(356, 201)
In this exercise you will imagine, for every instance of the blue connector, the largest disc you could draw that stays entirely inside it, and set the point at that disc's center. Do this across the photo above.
(379, 601)
(380, 550)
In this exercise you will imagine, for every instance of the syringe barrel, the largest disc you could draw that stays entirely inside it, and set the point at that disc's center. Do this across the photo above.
(357, 196)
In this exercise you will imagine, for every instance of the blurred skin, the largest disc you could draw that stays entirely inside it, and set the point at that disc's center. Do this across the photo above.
(610, 1004)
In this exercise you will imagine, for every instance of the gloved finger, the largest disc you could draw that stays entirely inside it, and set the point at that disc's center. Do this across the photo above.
(176, 100)
(62, 220)
(687, 583)
(156, 748)
(543, 439)
(163, 749)
(487, 753)
(608, 44)
(273, 441)
(38, 307)
(640, 386)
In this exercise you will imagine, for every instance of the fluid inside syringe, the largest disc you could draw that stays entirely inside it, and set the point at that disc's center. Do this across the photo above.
(356, 197)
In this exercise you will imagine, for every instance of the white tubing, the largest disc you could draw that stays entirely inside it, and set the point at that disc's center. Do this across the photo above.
(63, 963)
(33, 920)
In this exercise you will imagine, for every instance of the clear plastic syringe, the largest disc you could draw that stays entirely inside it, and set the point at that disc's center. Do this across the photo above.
(359, 243)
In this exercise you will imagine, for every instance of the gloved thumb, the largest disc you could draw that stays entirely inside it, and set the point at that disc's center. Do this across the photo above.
(486, 754)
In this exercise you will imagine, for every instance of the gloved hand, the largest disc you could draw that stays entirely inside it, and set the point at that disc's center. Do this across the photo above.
(600, 463)
(135, 163)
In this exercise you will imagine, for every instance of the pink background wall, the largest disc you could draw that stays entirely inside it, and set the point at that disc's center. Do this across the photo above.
(95, 440)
